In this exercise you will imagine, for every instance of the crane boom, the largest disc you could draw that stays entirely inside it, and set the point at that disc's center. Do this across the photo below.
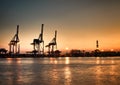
(55, 35)
(17, 30)
(41, 34)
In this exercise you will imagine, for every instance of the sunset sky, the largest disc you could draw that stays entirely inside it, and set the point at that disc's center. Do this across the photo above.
(79, 22)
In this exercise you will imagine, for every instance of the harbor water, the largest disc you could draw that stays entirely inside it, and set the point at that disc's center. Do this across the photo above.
(60, 71)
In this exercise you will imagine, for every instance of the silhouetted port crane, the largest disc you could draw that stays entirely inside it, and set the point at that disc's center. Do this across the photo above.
(52, 45)
(14, 48)
(38, 44)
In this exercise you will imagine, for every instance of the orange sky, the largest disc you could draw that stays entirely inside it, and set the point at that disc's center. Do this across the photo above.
(79, 23)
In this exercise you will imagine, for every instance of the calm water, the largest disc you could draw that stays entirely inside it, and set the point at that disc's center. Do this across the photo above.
(60, 71)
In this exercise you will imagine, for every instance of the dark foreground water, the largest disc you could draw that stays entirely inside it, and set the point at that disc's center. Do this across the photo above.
(60, 71)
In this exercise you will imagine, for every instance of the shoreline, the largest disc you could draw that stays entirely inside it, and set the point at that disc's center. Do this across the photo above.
(44, 56)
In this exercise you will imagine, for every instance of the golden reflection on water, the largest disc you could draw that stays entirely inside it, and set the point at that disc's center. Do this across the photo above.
(9, 60)
(112, 61)
(55, 75)
(97, 60)
(106, 68)
(59, 61)
(67, 73)
(18, 72)
(113, 68)
(53, 61)
(67, 60)
(18, 60)
(103, 61)
(98, 73)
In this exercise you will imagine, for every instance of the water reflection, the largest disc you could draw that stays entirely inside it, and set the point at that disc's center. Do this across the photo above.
(14, 76)
(67, 60)
(59, 60)
(113, 68)
(55, 75)
(98, 60)
(18, 60)
(9, 60)
(67, 73)
(13, 60)
(18, 71)
(98, 73)
(53, 61)
(113, 72)
(106, 71)
(60, 71)
(112, 61)
(102, 61)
